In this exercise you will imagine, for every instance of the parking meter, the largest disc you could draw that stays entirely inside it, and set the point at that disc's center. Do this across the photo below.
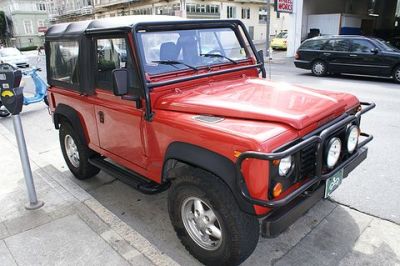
(11, 94)
(12, 98)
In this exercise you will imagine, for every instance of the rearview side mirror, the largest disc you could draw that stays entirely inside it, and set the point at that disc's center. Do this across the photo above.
(374, 50)
(120, 81)
(260, 54)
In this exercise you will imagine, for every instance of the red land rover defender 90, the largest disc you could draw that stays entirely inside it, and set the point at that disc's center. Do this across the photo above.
(166, 103)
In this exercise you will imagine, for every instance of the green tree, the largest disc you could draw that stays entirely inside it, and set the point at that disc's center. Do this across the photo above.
(3, 25)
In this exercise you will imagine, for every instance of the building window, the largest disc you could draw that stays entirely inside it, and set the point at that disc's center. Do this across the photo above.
(245, 13)
(200, 9)
(262, 15)
(41, 6)
(231, 12)
(28, 27)
(142, 11)
(40, 23)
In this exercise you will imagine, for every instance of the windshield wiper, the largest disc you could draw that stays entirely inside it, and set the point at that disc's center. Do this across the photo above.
(174, 62)
(219, 56)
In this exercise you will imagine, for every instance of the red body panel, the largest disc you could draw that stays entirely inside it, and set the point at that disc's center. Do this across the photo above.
(258, 116)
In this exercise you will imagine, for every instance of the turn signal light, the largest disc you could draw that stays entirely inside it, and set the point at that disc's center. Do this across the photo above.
(278, 188)
(297, 56)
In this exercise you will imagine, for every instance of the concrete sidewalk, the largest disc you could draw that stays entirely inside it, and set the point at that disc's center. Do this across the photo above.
(72, 228)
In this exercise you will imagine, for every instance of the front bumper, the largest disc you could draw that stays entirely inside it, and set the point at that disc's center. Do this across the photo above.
(282, 218)
(287, 209)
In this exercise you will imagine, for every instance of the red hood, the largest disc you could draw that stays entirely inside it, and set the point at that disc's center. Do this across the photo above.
(253, 98)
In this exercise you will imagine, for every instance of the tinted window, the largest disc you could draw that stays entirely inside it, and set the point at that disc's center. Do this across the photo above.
(361, 46)
(114, 54)
(337, 45)
(313, 45)
(64, 61)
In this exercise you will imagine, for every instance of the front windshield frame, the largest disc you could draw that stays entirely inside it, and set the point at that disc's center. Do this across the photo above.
(241, 35)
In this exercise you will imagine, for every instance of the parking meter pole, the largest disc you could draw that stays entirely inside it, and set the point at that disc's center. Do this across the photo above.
(23, 153)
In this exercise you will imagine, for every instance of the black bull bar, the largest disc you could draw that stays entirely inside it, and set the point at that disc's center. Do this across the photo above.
(350, 163)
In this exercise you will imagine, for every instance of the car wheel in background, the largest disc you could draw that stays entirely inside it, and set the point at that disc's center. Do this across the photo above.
(319, 68)
(396, 74)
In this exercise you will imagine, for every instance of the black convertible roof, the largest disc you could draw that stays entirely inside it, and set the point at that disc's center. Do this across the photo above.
(79, 28)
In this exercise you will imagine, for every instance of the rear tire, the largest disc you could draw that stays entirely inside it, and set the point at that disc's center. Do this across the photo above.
(238, 232)
(319, 68)
(75, 153)
(396, 74)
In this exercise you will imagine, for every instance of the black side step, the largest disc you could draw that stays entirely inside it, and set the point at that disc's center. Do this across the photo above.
(129, 177)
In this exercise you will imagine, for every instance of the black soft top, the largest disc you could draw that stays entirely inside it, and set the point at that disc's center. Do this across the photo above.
(80, 28)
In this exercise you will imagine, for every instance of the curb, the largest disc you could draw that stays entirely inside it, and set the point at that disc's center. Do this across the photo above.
(55, 178)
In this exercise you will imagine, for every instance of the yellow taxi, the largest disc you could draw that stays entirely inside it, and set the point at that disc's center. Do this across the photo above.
(280, 41)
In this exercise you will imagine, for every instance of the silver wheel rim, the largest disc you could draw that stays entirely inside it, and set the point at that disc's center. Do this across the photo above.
(397, 74)
(201, 223)
(72, 150)
(319, 68)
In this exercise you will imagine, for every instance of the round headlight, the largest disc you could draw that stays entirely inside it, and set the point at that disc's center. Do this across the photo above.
(353, 133)
(333, 152)
(285, 165)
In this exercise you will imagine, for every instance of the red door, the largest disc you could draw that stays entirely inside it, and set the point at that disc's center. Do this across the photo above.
(119, 122)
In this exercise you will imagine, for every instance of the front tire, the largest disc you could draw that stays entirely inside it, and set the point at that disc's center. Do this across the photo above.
(208, 221)
(396, 74)
(319, 68)
(4, 113)
(75, 153)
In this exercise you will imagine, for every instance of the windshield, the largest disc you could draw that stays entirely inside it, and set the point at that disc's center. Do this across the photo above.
(167, 51)
(9, 52)
(386, 46)
(282, 35)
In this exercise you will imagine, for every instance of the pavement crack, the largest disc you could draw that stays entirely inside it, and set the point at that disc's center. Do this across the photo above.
(9, 251)
(301, 239)
(363, 212)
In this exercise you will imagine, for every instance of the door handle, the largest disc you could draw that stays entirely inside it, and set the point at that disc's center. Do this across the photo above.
(101, 117)
(327, 54)
(353, 55)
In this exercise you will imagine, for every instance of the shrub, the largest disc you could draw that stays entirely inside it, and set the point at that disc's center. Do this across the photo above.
(28, 48)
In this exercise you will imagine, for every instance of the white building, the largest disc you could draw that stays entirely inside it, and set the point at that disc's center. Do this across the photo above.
(29, 21)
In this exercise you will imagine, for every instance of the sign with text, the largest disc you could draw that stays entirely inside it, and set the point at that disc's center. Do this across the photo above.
(284, 6)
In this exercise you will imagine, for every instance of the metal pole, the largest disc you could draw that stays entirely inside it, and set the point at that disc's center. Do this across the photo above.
(26, 167)
(268, 41)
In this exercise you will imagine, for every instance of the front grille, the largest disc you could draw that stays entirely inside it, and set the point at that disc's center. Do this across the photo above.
(308, 159)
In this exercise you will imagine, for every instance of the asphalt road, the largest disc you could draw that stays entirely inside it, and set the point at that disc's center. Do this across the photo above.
(373, 188)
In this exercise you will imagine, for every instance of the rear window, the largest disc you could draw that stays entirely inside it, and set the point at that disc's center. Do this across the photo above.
(63, 62)
(313, 45)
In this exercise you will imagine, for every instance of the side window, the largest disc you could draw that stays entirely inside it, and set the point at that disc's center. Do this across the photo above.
(64, 66)
(342, 46)
(114, 53)
(313, 45)
(337, 46)
(361, 46)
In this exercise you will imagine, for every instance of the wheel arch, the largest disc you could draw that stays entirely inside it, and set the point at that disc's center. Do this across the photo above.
(66, 113)
(189, 155)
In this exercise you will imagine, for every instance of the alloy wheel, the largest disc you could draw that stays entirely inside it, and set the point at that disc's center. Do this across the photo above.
(201, 223)
(72, 151)
(319, 68)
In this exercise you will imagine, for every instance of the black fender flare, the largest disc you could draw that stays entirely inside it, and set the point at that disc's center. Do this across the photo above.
(68, 113)
(210, 161)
